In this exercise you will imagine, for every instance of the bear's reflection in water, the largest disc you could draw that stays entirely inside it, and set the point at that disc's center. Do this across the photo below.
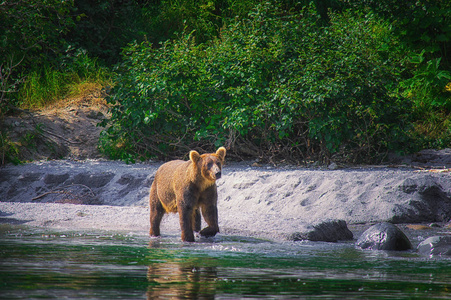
(180, 280)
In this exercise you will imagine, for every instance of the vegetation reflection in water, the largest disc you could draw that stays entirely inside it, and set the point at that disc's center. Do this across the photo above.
(43, 264)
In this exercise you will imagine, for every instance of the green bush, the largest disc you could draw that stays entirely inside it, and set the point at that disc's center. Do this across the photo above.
(430, 93)
(271, 85)
(9, 151)
(30, 36)
(422, 25)
(427, 87)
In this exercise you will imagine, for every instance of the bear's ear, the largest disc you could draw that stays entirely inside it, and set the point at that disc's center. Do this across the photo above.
(221, 153)
(194, 156)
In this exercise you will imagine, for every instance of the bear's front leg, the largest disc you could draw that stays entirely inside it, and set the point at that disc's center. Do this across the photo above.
(208, 203)
(197, 221)
(210, 213)
(186, 222)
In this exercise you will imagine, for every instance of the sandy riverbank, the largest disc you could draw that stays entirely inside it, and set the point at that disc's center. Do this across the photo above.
(262, 201)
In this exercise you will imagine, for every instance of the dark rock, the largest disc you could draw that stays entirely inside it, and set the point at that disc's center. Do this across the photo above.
(52, 179)
(429, 201)
(29, 177)
(130, 183)
(328, 231)
(440, 158)
(93, 180)
(77, 182)
(7, 175)
(436, 245)
(95, 115)
(384, 236)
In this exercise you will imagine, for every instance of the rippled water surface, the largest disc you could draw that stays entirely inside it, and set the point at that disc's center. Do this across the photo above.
(44, 265)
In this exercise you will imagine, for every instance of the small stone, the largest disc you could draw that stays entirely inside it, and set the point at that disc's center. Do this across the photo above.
(417, 227)
(436, 245)
(333, 166)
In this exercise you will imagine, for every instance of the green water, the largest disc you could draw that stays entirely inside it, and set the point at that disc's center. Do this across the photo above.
(37, 264)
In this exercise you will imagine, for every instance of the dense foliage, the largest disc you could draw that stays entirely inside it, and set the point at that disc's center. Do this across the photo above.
(270, 85)
(294, 80)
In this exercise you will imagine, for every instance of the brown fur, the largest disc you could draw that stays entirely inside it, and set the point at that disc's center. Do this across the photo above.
(187, 187)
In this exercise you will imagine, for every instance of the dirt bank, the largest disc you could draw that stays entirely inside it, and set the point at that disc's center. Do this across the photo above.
(64, 130)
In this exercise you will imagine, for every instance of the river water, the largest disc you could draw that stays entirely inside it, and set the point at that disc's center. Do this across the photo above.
(44, 264)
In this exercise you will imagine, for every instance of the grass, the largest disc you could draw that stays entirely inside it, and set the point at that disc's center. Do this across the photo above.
(41, 88)
(433, 130)
(48, 86)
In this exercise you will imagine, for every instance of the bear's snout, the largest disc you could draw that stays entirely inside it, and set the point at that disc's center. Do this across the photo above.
(216, 172)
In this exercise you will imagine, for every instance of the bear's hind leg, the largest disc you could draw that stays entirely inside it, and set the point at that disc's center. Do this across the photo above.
(157, 212)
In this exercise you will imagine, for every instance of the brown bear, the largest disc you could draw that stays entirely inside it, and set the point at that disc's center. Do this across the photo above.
(187, 187)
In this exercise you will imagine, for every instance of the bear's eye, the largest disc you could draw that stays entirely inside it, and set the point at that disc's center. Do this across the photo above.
(210, 164)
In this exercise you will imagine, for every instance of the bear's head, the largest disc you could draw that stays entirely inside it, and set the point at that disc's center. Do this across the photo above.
(209, 164)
